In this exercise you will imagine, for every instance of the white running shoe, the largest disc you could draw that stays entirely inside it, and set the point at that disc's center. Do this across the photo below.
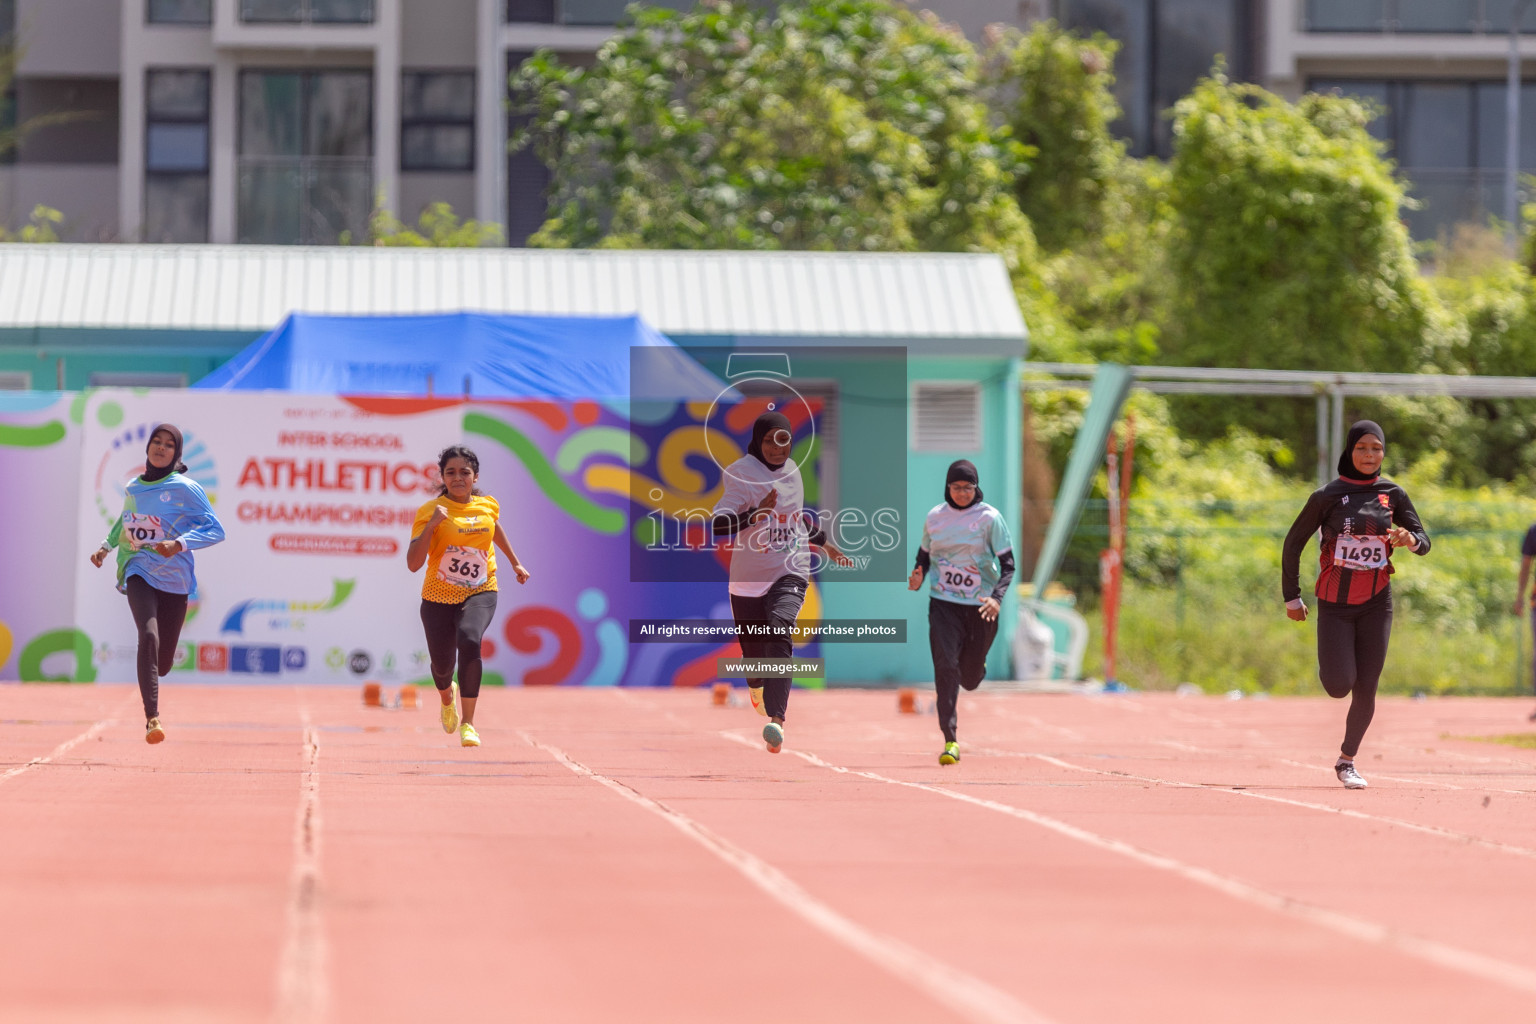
(757, 700)
(1352, 779)
(773, 736)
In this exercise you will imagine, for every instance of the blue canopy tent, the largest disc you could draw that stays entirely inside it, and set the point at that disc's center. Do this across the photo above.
(481, 354)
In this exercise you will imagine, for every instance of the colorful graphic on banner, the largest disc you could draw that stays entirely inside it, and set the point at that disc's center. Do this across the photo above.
(40, 437)
(318, 494)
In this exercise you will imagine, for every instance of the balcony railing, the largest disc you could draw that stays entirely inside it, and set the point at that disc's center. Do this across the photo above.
(307, 12)
(304, 200)
(1474, 17)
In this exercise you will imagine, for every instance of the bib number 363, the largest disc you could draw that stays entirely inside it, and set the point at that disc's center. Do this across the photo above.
(1360, 553)
(462, 567)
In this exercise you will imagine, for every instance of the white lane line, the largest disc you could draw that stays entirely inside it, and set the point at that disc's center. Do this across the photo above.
(949, 987)
(301, 987)
(58, 751)
(1431, 783)
(1434, 830)
(1428, 950)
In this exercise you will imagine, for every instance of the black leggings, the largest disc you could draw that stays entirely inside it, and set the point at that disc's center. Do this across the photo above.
(1351, 652)
(456, 629)
(780, 606)
(159, 617)
(959, 639)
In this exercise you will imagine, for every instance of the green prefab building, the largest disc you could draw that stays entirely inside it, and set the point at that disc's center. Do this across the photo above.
(912, 359)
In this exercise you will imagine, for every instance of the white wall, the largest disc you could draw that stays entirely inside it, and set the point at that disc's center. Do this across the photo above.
(69, 37)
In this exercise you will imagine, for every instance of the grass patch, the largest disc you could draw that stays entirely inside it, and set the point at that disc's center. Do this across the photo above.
(1514, 739)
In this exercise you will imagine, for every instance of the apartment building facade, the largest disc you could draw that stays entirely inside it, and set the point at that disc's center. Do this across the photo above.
(280, 121)
(1436, 67)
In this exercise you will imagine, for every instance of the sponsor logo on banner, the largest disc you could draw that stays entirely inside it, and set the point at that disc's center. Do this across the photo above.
(359, 662)
(278, 614)
(256, 659)
(212, 658)
(295, 658)
(335, 659)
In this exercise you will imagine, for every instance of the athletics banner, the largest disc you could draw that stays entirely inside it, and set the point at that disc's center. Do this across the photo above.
(316, 494)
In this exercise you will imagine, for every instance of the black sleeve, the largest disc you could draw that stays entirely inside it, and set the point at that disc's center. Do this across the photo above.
(818, 537)
(923, 560)
(1005, 563)
(1301, 531)
(1406, 516)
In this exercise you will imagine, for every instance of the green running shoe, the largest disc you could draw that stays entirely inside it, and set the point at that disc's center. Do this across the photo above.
(773, 735)
(450, 713)
(951, 754)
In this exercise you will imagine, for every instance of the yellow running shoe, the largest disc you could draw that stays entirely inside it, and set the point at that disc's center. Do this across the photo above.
(153, 733)
(467, 736)
(951, 754)
(450, 712)
(757, 700)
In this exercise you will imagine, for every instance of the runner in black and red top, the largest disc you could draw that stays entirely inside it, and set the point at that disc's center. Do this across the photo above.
(1363, 516)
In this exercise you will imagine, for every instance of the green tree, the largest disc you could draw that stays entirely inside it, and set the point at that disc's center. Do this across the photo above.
(1287, 250)
(437, 227)
(1056, 91)
(44, 221)
(41, 227)
(811, 124)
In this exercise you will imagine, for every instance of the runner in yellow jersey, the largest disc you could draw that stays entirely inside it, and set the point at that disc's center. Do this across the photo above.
(455, 537)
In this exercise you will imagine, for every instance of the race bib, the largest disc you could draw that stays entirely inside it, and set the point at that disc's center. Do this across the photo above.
(462, 567)
(957, 580)
(1360, 553)
(141, 530)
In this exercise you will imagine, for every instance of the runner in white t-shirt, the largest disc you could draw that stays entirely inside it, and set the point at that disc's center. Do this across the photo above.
(762, 511)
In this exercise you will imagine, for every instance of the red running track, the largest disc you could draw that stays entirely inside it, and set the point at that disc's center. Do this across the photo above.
(289, 855)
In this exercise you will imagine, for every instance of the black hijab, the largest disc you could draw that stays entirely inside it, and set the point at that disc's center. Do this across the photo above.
(152, 472)
(1347, 466)
(961, 470)
(766, 424)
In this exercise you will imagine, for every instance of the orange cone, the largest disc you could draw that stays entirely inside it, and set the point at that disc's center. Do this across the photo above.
(721, 694)
(906, 702)
(372, 694)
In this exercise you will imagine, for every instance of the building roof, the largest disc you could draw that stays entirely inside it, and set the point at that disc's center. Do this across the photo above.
(767, 294)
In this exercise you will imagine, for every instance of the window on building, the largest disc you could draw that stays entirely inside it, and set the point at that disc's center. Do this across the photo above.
(356, 12)
(176, 103)
(180, 12)
(1166, 46)
(1448, 139)
(1445, 16)
(527, 177)
(537, 11)
(437, 121)
(306, 148)
(90, 136)
(135, 379)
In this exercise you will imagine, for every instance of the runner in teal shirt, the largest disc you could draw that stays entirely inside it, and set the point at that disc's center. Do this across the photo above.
(968, 556)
